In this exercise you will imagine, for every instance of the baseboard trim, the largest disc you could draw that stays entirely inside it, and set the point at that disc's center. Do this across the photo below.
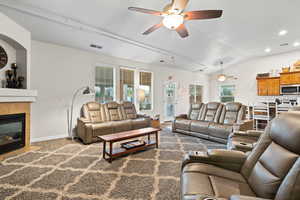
(41, 139)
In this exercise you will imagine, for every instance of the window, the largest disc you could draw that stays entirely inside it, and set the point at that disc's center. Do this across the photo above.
(195, 93)
(227, 93)
(145, 91)
(127, 85)
(104, 86)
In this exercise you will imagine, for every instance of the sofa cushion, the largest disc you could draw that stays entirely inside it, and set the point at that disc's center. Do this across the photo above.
(232, 112)
(120, 126)
(113, 111)
(93, 111)
(199, 126)
(182, 124)
(211, 112)
(204, 179)
(220, 130)
(128, 110)
(194, 111)
(102, 128)
(141, 123)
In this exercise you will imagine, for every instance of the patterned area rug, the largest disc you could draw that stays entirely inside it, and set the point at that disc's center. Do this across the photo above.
(67, 170)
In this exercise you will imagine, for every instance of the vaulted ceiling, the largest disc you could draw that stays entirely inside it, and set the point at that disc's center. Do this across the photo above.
(246, 29)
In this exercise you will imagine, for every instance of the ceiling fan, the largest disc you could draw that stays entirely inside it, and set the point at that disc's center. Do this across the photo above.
(174, 16)
(223, 77)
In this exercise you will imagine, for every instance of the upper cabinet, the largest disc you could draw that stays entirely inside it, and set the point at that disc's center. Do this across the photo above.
(269, 86)
(290, 78)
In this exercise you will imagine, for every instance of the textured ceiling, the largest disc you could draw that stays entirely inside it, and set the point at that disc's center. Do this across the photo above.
(244, 31)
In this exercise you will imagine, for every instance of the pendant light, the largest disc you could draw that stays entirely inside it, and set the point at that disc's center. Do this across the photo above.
(222, 76)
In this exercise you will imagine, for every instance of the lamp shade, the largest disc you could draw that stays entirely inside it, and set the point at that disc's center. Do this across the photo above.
(86, 91)
(141, 94)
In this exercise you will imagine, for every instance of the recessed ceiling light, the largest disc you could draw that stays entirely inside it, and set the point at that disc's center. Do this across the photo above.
(296, 44)
(268, 50)
(282, 32)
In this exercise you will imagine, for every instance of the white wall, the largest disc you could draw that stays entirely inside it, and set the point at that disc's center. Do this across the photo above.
(20, 40)
(57, 71)
(246, 87)
(11, 54)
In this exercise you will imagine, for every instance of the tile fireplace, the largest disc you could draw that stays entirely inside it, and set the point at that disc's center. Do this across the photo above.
(12, 132)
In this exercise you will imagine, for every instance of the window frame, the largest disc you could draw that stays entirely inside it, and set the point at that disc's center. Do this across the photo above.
(194, 85)
(152, 90)
(117, 79)
(233, 92)
(114, 77)
(134, 83)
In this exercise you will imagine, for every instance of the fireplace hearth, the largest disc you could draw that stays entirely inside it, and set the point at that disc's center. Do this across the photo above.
(12, 132)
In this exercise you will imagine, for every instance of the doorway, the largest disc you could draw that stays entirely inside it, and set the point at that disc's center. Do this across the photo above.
(170, 100)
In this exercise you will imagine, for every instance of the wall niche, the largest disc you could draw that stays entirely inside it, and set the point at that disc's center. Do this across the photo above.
(16, 53)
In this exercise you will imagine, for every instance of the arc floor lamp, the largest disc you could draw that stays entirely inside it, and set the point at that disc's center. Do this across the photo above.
(85, 90)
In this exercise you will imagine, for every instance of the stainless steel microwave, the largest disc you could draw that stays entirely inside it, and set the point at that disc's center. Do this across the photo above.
(290, 89)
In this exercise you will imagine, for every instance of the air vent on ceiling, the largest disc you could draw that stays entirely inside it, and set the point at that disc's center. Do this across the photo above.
(284, 44)
(96, 46)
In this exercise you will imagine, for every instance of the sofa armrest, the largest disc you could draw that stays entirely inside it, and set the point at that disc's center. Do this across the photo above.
(227, 159)
(183, 116)
(142, 116)
(84, 130)
(249, 133)
(83, 120)
(242, 197)
(243, 125)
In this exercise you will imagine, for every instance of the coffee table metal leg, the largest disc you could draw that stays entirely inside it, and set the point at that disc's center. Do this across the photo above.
(149, 138)
(104, 149)
(156, 136)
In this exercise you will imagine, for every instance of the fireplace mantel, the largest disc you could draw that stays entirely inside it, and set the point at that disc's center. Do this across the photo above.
(17, 95)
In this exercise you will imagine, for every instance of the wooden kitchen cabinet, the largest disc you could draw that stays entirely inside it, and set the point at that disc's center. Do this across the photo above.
(290, 78)
(273, 86)
(262, 87)
(269, 86)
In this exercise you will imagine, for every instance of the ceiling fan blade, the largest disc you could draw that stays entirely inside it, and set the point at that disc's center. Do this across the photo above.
(179, 4)
(147, 11)
(153, 28)
(182, 31)
(203, 14)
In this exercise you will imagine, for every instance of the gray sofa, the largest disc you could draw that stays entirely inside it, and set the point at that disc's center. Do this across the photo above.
(213, 121)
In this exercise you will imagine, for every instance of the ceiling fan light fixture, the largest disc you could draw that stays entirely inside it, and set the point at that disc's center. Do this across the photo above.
(221, 77)
(173, 21)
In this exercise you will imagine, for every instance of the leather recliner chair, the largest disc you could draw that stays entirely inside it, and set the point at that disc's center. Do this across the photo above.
(270, 171)
(102, 119)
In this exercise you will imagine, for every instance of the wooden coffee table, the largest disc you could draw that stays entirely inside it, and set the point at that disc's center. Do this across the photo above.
(117, 137)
